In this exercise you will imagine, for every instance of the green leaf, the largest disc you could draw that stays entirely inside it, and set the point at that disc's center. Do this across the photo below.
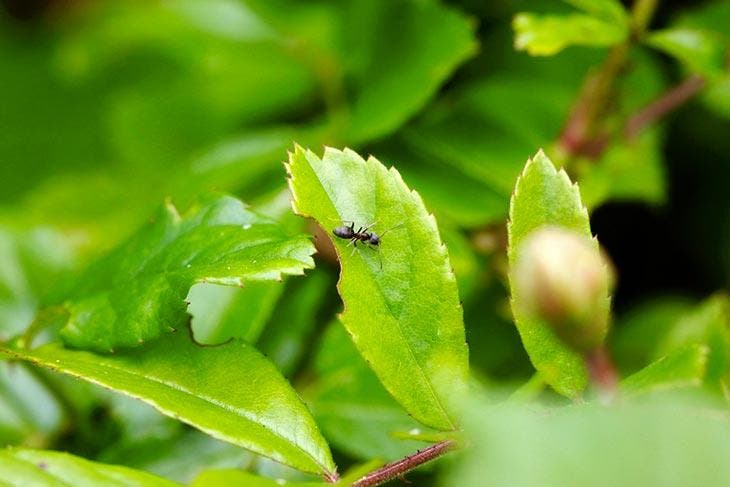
(644, 324)
(683, 367)
(465, 153)
(700, 50)
(414, 343)
(239, 478)
(545, 196)
(413, 48)
(449, 191)
(22, 467)
(545, 35)
(136, 293)
(604, 9)
(355, 412)
(663, 442)
(28, 412)
(223, 312)
(30, 262)
(235, 478)
(707, 324)
(284, 341)
(628, 171)
(179, 457)
(230, 392)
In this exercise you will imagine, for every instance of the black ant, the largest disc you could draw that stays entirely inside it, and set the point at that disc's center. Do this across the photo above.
(361, 235)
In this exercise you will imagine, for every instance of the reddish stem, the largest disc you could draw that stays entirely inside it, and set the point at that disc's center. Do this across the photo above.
(400, 467)
(603, 373)
(663, 105)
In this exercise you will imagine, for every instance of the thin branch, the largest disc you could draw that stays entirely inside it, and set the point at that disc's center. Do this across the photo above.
(584, 133)
(580, 134)
(663, 105)
(642, 12)
(400, 467)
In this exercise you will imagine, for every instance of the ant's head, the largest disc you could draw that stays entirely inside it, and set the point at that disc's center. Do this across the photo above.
(374, 239)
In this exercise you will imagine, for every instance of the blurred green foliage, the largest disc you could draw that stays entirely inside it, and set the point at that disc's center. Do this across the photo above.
(108, 108)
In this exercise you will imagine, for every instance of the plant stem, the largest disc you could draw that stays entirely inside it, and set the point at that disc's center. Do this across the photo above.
(579, 135)
(582, 133)
(663, 105)
(603, 373)
(641, 13)
(400, 467)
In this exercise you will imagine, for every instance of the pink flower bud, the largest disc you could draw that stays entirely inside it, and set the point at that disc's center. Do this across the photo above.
(562, 278)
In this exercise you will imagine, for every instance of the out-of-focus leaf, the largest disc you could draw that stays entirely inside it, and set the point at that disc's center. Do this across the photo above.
(604, 9)
(629, 170)
(379, 61)
(180, 457)
(353, 409)
(450, 192)
(30, 262)
(712, 18)
(465, 153)
(482, 135)
(285, 340)
(45, 122)
(701, 51)
(545, 196)
(230, 392)
(244, 161)
(649, 443)
(137, 292)
(463, 260)
(223, 312)
(414, 343)
(29, 414)
(239, 478)
(707, 324)
(635, 334)
(155, 443)
(681, 368)
(545, 35)
(413, 48)
(22, 467)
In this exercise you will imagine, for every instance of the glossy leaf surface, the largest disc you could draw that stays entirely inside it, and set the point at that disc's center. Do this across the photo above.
(137, 292)
(414, 342)
(230, 391)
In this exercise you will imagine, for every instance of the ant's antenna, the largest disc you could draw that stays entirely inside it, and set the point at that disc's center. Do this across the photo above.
(394, 227)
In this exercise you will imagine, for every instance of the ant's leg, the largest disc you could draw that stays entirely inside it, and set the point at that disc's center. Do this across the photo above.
(367, 227)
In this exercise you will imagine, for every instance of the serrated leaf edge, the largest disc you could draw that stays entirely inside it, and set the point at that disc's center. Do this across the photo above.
(433, 226)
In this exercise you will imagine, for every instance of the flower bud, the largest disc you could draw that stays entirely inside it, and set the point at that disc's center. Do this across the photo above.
(561, 277)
